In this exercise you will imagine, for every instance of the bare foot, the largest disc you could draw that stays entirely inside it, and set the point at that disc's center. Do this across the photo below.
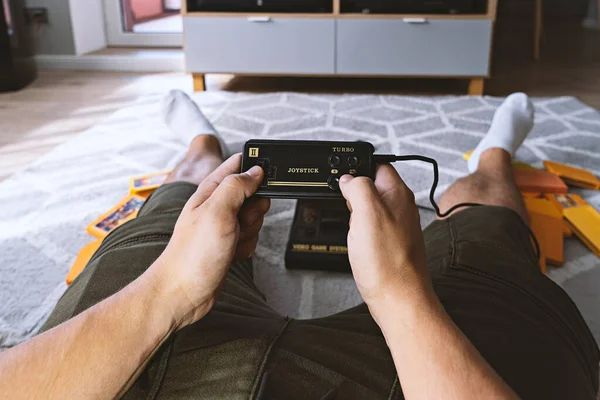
(203, 157)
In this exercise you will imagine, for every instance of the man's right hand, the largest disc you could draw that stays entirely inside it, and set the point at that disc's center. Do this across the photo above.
(387, 254)
(218, 224)
(385, 242)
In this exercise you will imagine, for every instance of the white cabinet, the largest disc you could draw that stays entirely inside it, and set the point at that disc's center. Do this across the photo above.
(415, 47)
(260, 45)
(340, 44)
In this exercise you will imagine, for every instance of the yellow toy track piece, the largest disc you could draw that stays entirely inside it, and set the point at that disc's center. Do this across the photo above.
(84, 256)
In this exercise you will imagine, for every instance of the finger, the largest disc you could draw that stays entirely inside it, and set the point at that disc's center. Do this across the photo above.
(230, 195)
(253, 210)
(251, 231)
(391, 188)
(231, 166)
(360, 193)
(246, 249)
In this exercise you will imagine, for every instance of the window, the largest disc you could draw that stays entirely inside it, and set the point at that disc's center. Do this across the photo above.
(150, 23)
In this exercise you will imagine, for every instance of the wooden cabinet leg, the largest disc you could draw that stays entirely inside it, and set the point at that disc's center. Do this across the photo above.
(199, 82)
(476, 87)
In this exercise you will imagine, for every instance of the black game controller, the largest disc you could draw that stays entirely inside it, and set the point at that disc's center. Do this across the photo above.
(305, 169)
(299, 169)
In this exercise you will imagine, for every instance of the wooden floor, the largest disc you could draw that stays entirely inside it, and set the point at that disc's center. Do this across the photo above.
(61, 104)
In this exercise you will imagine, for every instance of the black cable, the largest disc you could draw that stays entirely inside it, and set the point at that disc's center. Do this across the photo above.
(390, 158)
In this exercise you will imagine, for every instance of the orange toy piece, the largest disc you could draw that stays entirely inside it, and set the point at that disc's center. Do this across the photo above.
(567, 231)
(582, 219)
(538, 181)
(562, 201)
(522, 165)
(532, 195)
(147, 183)
(145, 195)
(567, 200)
(585, 222)
(574, 176)
(126, 210)
(84, 256)
(547, 225)
(543, 265)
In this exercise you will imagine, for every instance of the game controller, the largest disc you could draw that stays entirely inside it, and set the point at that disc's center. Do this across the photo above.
(298, 169)
(305, 169)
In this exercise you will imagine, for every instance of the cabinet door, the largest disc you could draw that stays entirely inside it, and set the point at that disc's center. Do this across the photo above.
(260, 45)
(417, 47)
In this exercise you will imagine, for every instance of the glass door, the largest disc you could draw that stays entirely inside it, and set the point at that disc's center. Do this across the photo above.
(144, 23)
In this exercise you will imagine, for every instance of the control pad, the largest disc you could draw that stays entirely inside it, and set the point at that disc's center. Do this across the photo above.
(307, 169)
(333, 182)
(353, 161)
(334, 161)
(341, 164)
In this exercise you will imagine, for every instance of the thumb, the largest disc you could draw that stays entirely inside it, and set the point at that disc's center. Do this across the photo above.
(360, 192)
(233, 191)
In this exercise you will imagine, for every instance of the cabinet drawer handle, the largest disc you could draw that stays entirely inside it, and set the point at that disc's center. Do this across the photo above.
(416, 20)
(259, 19)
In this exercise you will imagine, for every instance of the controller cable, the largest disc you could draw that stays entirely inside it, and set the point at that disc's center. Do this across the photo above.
(388, 158)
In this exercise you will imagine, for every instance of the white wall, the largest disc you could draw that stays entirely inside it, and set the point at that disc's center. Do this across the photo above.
(87, 19)
(57, 36)
(75, 27)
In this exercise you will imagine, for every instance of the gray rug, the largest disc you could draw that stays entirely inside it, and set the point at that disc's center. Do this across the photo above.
(45, 209)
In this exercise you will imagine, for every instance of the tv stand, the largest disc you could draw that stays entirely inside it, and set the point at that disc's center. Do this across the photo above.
(340, 44)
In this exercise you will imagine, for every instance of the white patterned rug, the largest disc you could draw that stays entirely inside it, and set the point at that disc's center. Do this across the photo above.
(44, 210)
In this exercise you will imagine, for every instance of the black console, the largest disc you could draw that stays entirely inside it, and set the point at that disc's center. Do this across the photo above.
(307, 169)
(263, 6)
(414, 6)
(310, 171)
(319, 236)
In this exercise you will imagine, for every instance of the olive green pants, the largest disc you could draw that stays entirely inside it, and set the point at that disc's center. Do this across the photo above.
(484, 271)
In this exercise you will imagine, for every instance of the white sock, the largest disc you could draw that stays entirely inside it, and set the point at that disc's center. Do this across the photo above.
(512, 123)
(186, 120)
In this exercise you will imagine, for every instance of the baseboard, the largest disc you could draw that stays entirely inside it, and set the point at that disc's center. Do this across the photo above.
(140, 61)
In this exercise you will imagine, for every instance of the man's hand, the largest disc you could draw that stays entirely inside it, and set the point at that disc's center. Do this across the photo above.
(100, 352)
(217, 225)
(387, 254)
(385, 242)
